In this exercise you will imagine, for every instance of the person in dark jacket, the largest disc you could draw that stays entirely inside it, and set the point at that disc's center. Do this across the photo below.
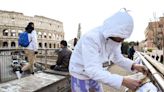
(131, 52)
(64, 55)
(157, 57)
(161, 59)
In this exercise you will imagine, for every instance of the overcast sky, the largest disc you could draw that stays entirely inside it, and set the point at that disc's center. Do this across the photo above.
(90, 13)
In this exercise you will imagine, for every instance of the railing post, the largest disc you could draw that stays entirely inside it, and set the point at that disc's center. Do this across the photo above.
(0, 73)
(154, 73)
(163, 44)
(46, 65)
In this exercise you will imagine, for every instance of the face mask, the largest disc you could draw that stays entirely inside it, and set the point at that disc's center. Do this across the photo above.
(112, 45)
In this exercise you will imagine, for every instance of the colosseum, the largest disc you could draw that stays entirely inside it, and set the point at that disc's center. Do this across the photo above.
(50, 32)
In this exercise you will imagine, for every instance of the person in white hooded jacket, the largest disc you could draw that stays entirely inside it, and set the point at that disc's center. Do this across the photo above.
(98, 46)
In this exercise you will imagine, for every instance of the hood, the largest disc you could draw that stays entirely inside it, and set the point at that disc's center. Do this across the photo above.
(118, 25)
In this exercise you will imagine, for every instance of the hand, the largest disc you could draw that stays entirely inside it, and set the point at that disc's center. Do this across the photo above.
(140, 68)
(36, 52)
(131, 83)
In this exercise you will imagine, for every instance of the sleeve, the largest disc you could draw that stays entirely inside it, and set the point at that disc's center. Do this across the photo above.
(120, 60)
(35, 41)
(93, 65)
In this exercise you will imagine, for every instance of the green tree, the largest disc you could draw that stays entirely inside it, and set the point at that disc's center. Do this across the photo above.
(124, 48)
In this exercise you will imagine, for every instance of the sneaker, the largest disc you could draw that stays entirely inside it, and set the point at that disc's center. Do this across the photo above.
(18, 74)
(32, 73)
(21, 71)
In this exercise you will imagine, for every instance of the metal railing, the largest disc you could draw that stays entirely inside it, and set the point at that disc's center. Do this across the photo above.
(159, 66)
(47, 57)
(155, 70)
(44, 58)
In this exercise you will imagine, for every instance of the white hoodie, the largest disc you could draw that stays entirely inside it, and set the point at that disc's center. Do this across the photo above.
(95, 48)
(34, 43)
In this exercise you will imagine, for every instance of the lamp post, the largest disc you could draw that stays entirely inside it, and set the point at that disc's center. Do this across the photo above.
(163, 43)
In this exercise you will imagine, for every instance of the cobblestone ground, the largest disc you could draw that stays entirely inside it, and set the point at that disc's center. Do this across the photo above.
(116, 70)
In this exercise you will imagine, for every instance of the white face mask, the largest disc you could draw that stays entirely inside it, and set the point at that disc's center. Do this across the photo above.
(112, 45)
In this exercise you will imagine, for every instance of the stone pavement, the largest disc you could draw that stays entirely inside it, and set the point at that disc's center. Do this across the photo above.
(34, 83)
(116, 70)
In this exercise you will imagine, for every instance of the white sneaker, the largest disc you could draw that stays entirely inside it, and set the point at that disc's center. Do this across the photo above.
(18, 74)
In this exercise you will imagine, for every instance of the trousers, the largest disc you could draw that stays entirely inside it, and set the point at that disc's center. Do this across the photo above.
(89, 85)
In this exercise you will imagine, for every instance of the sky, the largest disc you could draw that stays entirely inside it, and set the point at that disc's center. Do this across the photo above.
(89, 13)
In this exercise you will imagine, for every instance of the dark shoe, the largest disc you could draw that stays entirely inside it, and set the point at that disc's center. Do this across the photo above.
(32, 73)
(21, 71)
(52, 67)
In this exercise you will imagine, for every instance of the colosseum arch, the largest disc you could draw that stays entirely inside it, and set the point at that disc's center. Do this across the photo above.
(45, 45)
(50, 46)
(5, 44)
(45, 35)
(5, 32)
(13, 33)
(54, 45)
(13, 44)
(40, 45)
(49, 35)
(39, 34)
(58, 45)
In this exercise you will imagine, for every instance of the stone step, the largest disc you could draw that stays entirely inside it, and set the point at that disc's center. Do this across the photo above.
(39, 82)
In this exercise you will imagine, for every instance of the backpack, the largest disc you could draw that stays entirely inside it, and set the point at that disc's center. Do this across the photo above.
(23, 39)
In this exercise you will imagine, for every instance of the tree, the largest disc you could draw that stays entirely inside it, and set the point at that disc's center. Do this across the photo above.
(124, 47)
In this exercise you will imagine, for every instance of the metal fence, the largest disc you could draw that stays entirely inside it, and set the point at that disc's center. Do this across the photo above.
(156, 70)
(44, 59)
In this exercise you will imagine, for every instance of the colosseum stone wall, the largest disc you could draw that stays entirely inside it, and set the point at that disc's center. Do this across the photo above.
(50, 32)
